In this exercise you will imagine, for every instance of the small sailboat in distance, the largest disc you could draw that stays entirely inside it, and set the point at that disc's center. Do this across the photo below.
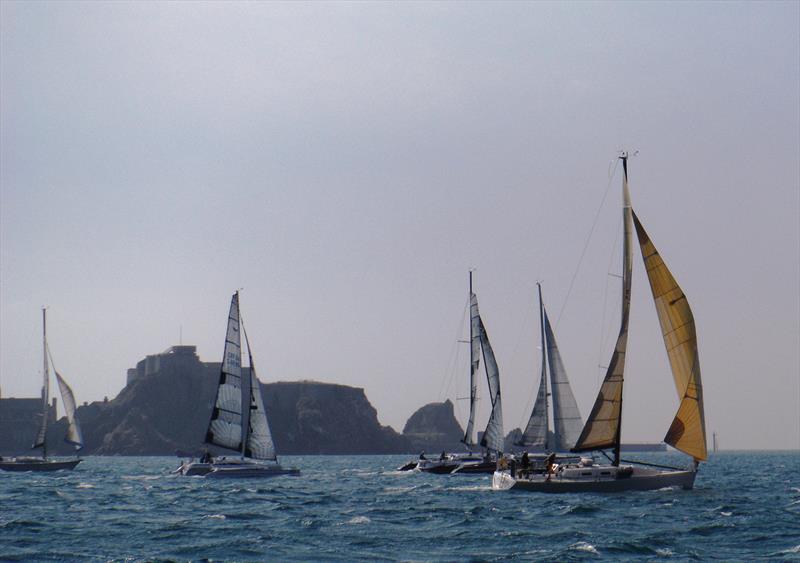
(492, 440)
(567, 422)
(73, 437)
(602, 430)
(238, 420)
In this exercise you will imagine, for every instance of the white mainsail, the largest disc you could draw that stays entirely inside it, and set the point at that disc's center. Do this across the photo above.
(567, 422)
(225, 427)
(475, 359)
(74, 435)
(602, 428)
(538, 428)
(493, 435)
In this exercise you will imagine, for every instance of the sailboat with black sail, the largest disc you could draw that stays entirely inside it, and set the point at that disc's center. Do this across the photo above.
(73, 437)
(492, 440)
(538, 439)
(238, 422)
(602, 430)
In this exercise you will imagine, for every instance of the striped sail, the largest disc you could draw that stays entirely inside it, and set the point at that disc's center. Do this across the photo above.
(602, 428)
(687, 432)
(225, 427)
(475, 359)
(493, 435)
(567, 422)
(74, 435)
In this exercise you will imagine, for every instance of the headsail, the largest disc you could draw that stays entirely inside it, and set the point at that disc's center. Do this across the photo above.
(475, 359)
(225, 427)
(567, 422)
(259, 444)
(602, 428)
(74, 435)
(537, 430)
(41, 437)
(493, 435)
(687, 432)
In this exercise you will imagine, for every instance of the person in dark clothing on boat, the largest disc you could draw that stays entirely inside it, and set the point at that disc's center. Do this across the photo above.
(206, 458)
(441, 457)
(525, 463)
(422, 455)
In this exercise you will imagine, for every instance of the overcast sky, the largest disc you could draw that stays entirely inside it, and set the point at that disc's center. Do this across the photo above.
(347, 164)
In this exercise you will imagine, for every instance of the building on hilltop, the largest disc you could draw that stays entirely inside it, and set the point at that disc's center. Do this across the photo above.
(170, 360)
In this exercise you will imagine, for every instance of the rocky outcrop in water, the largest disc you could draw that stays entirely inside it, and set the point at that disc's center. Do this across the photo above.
(434, 428)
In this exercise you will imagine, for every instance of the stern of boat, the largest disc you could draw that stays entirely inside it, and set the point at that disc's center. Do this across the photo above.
(502, 481)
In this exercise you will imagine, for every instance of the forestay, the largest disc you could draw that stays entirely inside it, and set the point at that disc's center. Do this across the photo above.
(687, 432)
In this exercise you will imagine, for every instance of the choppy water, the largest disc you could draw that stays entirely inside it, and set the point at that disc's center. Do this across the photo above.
(744, 506)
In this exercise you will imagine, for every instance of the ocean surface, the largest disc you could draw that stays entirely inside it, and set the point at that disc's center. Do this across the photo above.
(745, 506)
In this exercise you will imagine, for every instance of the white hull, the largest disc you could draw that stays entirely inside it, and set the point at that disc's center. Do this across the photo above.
(595, 479)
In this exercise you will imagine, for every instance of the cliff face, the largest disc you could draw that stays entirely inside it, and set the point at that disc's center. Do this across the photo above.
(434, 428)
(161, 413)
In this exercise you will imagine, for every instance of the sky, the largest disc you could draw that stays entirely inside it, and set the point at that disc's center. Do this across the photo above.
(347, 164)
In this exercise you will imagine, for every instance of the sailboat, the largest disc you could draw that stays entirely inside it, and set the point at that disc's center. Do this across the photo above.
(73, 437)
(567, 421)
(492, 439)
(238, 420)
(602, 430)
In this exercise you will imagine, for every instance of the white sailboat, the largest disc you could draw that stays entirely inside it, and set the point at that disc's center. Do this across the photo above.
(492, 440)
(602, 430)
(567, 422)
(238, 420)
(73, 437)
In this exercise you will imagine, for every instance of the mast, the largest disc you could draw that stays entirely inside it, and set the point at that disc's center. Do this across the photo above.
(474, 361)
(603, 427)
(543, 382)
(246, 402)
(45, 384)
(626, 285)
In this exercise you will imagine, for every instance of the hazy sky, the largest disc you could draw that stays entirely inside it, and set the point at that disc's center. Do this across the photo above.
(347, 164)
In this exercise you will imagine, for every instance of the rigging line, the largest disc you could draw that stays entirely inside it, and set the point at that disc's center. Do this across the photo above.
(452, 363)
(586, 244)
(534, 390)
(603, 336)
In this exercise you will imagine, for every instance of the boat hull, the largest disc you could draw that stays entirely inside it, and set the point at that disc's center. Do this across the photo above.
(643, 481)
(480, 467)
(233, 468)
(38, 465)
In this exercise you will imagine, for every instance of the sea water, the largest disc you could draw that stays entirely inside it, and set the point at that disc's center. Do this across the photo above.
(744, 506)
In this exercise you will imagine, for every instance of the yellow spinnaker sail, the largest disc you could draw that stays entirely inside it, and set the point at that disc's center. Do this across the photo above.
(688, 430)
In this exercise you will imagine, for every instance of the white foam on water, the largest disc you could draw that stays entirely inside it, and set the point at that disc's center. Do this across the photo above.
(583, 546)
(664, 552)
(215, 516)
(726, 513)
(359, 520)
(85, 486)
